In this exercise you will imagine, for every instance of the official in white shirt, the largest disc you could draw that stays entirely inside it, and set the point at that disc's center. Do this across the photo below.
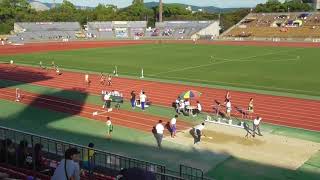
(198, 133)
(256, 126)
(177, 105)
(107, 100)
(198, 109)
(143, 99)
(159, 133)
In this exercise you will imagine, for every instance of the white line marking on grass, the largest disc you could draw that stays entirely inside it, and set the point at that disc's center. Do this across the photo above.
(241, 84)
(224, 60)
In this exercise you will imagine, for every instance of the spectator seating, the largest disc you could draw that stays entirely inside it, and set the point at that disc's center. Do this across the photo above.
(138, 29)
(46, 30)
(186, 29)
(49, 163)
(277, 25)
(102, 30)
(38, 156)
(116, 29)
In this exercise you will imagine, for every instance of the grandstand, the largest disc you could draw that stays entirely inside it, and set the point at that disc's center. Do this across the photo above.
(187, 29)
(102, 30)
(116, 29)
(44, 31)
(266, 26)
(166, 29)
(37, 31)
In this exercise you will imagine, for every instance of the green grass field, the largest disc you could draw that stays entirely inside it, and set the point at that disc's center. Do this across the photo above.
(278, 69)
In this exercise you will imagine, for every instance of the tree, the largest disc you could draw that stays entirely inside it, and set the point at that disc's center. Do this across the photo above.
(104, 12)
(137, 2)
(277, 6)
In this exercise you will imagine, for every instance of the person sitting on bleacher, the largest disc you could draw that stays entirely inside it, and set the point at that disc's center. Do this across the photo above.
(68, 167)
(7, 151)
(22, 153)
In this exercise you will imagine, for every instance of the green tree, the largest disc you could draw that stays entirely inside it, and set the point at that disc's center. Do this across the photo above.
(137, 2)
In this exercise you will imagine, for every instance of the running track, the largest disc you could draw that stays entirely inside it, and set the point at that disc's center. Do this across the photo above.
(277, 110)
(120, 117)
(62, 46)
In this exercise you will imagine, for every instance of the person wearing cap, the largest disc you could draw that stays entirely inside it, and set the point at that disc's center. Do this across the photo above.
(256, 126)
(68, 168)
(159, 133)
(198, 132)
(109, 127)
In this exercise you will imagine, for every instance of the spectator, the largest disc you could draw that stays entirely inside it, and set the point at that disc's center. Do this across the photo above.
(133, 99)
(38, 159)
(11, 152)
(173, 126)
(88, 157)
(68, 167)
(136, 173)
(143, 99)
(22, 153)
(159, 133)
(7, 151)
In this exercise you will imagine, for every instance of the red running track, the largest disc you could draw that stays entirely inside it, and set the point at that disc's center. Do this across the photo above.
(293, 112)
(62, 46)
(120, 117)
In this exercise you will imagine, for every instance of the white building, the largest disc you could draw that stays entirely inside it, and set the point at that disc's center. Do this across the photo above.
(189, 8)
(317, 3)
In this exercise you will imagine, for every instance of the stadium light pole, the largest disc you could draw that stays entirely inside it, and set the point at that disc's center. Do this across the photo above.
(54, 3)
(160, 10)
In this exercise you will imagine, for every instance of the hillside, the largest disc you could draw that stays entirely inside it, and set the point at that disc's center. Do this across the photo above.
(210, 9)
(39, 6)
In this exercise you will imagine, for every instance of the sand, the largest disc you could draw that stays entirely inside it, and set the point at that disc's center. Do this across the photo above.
(269, 149)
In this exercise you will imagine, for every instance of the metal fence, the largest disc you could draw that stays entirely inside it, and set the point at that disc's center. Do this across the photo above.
(104, 162)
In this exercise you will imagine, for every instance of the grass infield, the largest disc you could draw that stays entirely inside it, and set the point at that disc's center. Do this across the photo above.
(280, 69)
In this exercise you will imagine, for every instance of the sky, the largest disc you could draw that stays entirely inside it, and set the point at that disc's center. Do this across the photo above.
(124, 3)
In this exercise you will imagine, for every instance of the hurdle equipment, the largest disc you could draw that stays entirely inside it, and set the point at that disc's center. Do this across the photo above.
(116, 71)
(96, 113)
(18, 95)
(142, 76)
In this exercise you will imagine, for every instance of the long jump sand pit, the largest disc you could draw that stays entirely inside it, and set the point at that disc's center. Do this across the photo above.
(269, 149)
